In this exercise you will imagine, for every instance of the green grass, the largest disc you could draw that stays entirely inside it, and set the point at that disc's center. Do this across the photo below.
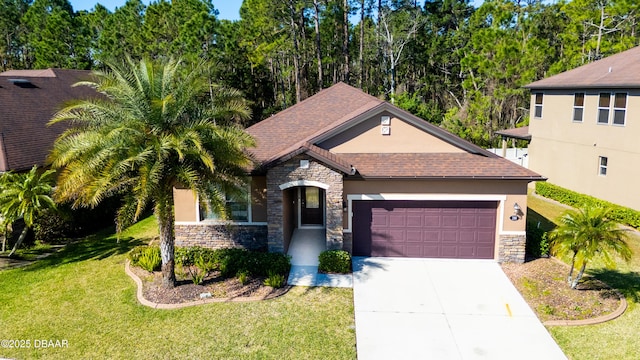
(617, 339)
(82, 295)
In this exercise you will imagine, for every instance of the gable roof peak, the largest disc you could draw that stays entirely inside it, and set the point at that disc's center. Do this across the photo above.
(621, 70)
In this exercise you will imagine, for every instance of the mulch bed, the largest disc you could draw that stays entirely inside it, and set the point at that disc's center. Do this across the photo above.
(543, 284)
(218, 287)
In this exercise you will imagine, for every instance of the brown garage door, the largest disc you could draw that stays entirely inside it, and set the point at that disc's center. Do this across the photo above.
(434, 229)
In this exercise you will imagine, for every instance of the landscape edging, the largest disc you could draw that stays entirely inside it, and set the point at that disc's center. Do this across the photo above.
(597, 320)
(154, 305)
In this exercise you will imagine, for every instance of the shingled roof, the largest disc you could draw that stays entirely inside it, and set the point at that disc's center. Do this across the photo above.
(28, 99)
(300, 128)
(621, 70)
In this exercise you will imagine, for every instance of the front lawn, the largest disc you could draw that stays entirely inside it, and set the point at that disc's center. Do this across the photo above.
(617, 339)
(83, 296)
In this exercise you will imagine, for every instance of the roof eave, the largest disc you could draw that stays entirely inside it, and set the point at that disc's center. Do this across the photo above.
(454, 177)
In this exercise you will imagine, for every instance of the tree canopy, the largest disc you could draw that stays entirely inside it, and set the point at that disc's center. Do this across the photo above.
(454, 65)
(158, 126)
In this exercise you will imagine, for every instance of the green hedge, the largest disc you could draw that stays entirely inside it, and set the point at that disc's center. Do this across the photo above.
(232, 261)
(228, 261)
(334, 261)
(621, 214)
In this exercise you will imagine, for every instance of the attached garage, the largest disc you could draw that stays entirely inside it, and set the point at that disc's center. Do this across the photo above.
(425, 229)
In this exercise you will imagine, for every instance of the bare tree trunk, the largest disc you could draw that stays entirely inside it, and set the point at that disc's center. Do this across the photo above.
(361, 57)
(345, 43)
(164, 213)
(296, 55)
(575, 282)
(23, 235)
(316, 20)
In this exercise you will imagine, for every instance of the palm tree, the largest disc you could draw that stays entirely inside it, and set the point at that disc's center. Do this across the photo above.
(24, 196)
(153, 129)
(588, 233)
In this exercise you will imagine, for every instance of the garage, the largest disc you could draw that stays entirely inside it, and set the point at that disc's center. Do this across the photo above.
(425, 229)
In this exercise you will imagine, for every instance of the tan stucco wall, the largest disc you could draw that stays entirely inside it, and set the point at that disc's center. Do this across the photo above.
(568, 152)
(184, 205)
(515, 191)
(366, 137)
(185, 202)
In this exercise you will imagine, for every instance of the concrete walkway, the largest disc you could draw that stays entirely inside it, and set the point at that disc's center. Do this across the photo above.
(443, 309)
(304, 249)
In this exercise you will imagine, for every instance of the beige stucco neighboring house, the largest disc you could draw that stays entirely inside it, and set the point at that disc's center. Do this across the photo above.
(375, 179)
(585, 131)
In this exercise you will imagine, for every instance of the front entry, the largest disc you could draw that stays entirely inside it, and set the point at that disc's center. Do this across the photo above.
(311, 207)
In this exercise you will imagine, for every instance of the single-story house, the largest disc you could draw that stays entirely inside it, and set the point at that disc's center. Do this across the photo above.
(378, 180)
(28, 100)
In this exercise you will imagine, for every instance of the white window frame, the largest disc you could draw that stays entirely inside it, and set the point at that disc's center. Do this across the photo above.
(536, 105)
(581, 107)
(231, 221)
(602, 169)
(611, 109)
(607, 108)
(613, 104)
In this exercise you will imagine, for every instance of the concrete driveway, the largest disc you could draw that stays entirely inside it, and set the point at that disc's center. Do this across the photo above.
(443, 309)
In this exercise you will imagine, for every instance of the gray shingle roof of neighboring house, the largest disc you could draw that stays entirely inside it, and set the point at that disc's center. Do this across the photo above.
(28, 100)
(301, 127)
(621, 70)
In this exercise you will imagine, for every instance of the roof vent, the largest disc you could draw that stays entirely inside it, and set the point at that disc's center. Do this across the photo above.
(23, 83)
(610, 69)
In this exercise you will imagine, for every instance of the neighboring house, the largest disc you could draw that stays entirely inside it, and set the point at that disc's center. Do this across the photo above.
(28, 100)
(378, 180)
(584, 128)
(515, 154)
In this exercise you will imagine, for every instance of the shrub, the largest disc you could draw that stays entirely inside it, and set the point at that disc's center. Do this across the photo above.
(537, 241)
(231, 261)
(150, 259)
(275, 280)
(621, 214)
(335, 261)
(243, 277)
(135, 253)
(187, 256)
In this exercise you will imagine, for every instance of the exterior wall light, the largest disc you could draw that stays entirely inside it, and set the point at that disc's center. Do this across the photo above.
(517, 213)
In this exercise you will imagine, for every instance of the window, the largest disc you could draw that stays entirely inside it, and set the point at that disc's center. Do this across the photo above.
(578, 107)
(238, 210)
(603, 108)
(538, 105)
(602, 161)
(619, 108)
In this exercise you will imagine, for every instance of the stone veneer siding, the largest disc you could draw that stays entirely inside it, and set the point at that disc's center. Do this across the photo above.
(347, 242)
(512, 248)
(291, 171)
(251, 237)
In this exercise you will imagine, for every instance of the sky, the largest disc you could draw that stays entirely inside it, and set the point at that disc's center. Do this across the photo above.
(229, 9)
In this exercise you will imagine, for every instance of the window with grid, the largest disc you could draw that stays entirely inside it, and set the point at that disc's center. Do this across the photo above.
(602, 165)
(619, 108)
(237, 209)
(538, 105)
(578, 107)
(603, 108)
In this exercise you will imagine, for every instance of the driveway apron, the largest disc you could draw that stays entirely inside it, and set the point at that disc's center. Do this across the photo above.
(443, 309)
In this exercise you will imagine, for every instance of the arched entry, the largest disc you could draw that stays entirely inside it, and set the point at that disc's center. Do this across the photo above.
(308, 205)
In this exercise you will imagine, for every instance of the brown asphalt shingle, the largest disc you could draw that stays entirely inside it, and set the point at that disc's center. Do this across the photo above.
(517, 133)
(621, 70)
(293, 131)
(25, 110)
(289, 129)
(436, 166)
